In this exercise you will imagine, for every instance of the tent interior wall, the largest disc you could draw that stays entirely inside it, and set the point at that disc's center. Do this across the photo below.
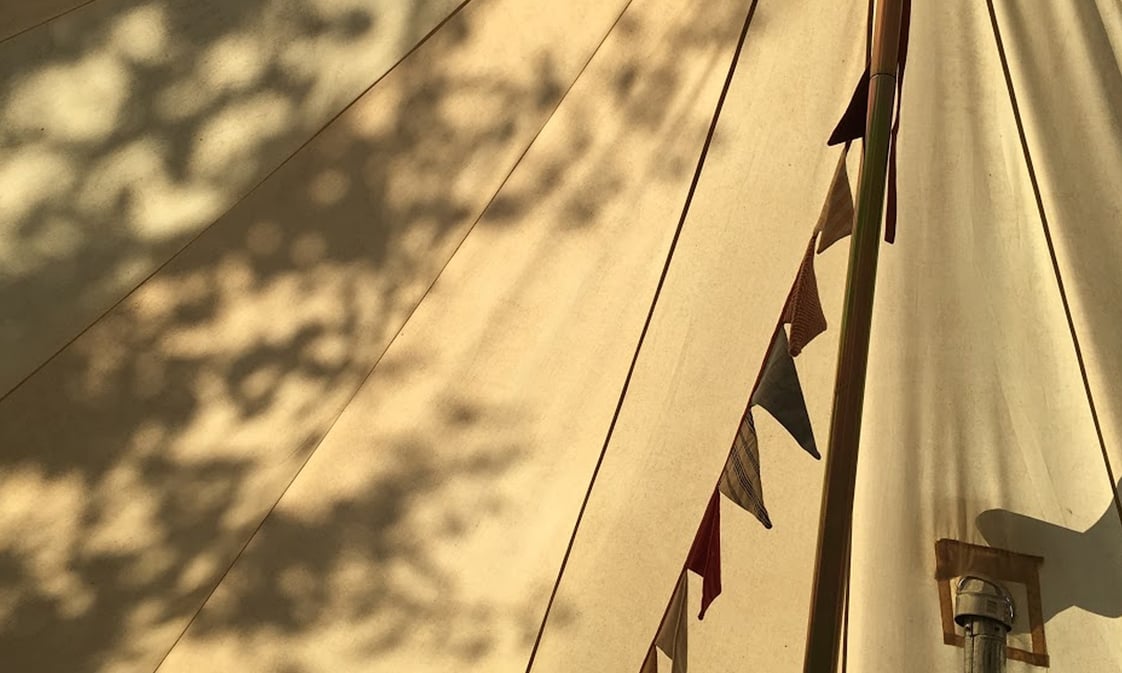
(315, 317)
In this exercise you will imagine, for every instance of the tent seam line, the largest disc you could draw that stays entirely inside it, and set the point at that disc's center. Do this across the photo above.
(1052, 254)
(404, 323)
(47, 20)
(249, 192)
(358, 387)
(646, 326)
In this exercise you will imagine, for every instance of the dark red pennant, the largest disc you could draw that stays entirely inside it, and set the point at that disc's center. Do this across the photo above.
(705, 554)
(852, 124)
(902, 60)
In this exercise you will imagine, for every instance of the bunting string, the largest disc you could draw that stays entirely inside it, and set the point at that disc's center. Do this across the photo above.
(777, 388)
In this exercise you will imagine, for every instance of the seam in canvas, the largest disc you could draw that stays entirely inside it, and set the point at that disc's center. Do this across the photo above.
(404, 323)
(1052, 254)
(45, 21)
(646, 326)
(46, 361)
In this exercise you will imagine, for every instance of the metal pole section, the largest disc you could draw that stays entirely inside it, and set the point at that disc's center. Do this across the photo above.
(984, 609)
(836, 519)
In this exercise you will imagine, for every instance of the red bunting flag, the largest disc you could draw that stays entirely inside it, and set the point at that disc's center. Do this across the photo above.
(705, 553)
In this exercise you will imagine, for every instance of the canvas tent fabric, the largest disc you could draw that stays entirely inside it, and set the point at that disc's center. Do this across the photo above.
(144, 121)
(339, 408)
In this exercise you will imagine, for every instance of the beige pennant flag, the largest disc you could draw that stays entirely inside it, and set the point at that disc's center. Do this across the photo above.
(673, 634)
(836, 220)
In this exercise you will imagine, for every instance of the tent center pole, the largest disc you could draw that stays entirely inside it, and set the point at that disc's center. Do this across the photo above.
(836, 518)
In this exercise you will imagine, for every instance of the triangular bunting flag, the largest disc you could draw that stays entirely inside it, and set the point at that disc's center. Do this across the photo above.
(836, 220)
(650, 664)
(780, 393)
(705, 553)
(803, 310)
(673, 635)
(740, 481)
(852, 124)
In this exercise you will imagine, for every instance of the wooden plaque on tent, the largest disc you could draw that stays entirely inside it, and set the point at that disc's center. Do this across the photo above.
(954, 559)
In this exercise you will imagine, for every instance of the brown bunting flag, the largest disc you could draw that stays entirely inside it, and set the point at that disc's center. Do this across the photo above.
(803, 310)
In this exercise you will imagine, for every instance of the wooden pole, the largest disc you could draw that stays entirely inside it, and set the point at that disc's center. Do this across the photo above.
(836, 520)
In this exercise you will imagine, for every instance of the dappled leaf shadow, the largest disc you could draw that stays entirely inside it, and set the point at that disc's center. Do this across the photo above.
(136, 464)
(129, 125)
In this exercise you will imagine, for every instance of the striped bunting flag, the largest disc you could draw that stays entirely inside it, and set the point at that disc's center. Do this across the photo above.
(740, 480)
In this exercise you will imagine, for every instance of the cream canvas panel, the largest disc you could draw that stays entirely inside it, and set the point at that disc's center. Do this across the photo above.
(976, 424)
(126, 127)
(758, 200)
(1066, 64)
(136, 464)
(425, 533)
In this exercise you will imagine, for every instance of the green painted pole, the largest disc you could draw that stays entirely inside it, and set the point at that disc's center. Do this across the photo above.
(836, 520)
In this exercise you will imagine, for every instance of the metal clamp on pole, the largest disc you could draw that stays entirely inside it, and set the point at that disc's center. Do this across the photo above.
(984, 609)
